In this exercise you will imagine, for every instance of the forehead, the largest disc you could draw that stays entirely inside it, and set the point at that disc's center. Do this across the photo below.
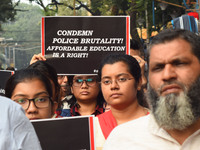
(30, 86)
(170, 50)
(115, 69)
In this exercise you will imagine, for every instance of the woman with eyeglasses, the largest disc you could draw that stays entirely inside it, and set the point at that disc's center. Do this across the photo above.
(120, 76)
(33, 91)
(87, 98)
(51, 74)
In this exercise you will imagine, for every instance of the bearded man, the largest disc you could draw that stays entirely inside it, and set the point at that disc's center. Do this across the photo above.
(174, 97)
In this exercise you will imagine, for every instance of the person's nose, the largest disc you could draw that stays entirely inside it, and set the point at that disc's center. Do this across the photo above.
(114, 85)
(169, 73)
(65, 79)
(32, 108)
(84, 84)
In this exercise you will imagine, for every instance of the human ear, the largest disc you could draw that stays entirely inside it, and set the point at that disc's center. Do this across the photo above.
(72, 91)
(139, 85)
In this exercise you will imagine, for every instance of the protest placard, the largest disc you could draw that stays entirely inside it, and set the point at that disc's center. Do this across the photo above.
(4, 76)
(76, 45)
(69, 133)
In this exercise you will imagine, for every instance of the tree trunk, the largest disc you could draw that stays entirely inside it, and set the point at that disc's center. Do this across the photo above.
(133, 23)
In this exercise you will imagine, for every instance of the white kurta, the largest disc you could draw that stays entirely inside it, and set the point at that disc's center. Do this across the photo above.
(145, 134)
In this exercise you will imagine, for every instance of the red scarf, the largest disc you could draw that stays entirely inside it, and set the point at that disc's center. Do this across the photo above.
(107, 123)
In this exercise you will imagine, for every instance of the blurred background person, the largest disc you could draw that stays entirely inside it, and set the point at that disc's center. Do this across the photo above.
(137, 51)
(65, 94)
(65, 87)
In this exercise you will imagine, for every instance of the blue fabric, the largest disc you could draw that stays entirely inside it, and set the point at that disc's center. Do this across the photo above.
(189, 23)
(16, 131)
(65, 113)
(172, 21)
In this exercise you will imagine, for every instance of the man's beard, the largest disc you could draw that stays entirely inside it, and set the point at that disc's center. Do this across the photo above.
(176, 111)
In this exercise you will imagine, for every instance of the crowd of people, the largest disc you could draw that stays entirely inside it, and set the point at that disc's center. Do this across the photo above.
(137, 104)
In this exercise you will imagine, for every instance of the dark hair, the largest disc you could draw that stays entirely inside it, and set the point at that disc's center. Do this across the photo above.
(51, 73)
(133, 68)
(136, 46)
(172, 34)
(23, 76)
(73, 101)
(10, 68)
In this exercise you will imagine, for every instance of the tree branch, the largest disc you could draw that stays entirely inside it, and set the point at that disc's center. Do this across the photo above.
(80, 6)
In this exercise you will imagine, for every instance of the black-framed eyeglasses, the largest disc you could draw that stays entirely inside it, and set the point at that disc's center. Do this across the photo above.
(39, 102)
(61, 77)
(119, 81)
(89, 82)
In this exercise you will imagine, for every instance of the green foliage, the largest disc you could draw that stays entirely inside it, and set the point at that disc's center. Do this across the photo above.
(95, 7)
(111, 7)
(26, 25)
(7, 11)
(135, 8)
(158, 13)
(65, 10)
(25, 32)
(122, 4)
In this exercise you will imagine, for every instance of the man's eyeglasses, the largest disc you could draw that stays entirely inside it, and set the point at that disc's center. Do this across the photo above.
(61, 77)
(119, 81)
(89, 82)
(39, 102)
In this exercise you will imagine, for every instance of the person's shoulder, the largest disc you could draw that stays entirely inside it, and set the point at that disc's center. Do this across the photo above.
(10, 108)
(4, 99)
(140, 122)
(6, 103)
(126, 134)
(136, 125)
